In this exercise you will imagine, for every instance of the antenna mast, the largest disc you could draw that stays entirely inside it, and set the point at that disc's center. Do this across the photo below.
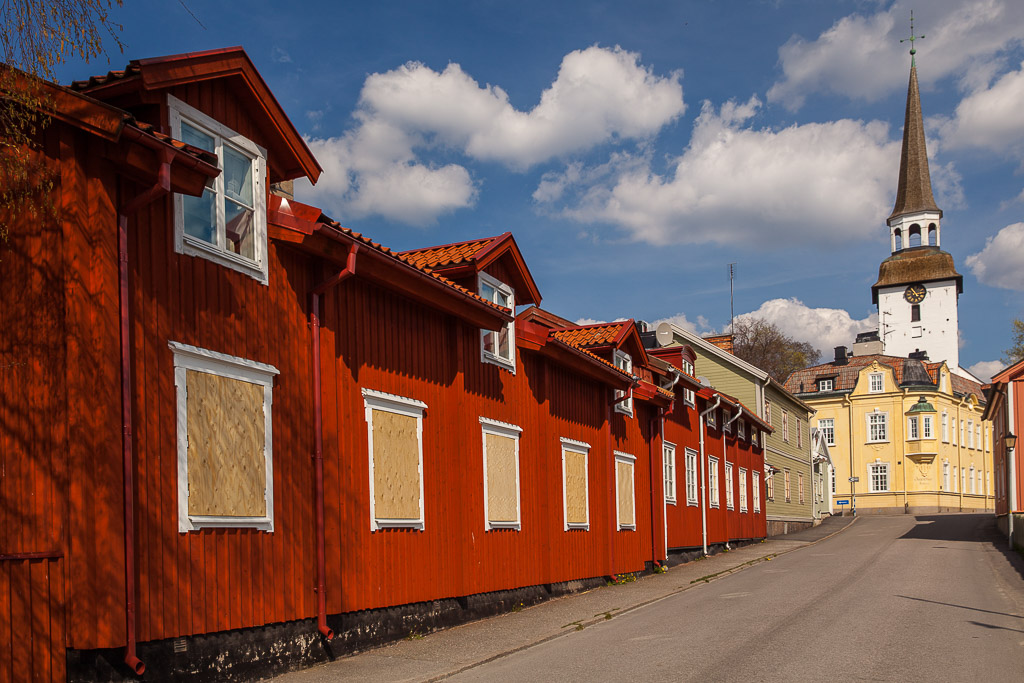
(732, 308)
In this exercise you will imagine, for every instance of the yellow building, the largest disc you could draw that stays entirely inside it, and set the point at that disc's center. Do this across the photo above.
(908, 431)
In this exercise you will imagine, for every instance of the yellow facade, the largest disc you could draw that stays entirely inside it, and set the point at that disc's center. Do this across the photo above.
(949, 469)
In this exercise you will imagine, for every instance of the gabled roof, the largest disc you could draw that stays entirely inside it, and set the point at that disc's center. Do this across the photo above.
(914, 192)
(460, 259)
(308, 229)
(290, 157)
(605, 336)
(698, 342)
(1011, 373)
(539, 337)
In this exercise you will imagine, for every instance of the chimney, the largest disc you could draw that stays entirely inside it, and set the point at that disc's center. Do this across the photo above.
(841, 358)
(918, 354)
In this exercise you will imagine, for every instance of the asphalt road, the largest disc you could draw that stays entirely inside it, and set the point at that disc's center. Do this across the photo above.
(890, 599)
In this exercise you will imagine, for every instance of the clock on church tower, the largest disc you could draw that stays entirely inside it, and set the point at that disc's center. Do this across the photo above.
(918, 287)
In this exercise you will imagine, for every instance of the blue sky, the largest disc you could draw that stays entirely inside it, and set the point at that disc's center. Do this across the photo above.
(635, 149)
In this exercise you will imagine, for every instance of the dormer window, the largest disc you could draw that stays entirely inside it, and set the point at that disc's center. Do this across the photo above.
(498, 347)
(623, 361)
(876, 383)
(826, 384)
(688, 395)
(228, 223)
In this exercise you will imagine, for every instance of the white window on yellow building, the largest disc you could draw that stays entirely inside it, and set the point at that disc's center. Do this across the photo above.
(970, 479)
(926, 427)
(878, 427)
(955, 479)
(963, 480)
(945, 427)
(876, 383)
(945, 476)
(912, 431)
(970, 433)
(828, 429)
(878, 477)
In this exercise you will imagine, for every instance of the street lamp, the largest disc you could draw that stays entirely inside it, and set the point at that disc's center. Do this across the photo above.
(1010, 440)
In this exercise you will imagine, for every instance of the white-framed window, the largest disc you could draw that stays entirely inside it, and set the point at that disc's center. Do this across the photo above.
(800, 486)
(827, 425)
(623, 361)
(981, 487)
(575, 484)
(668, 462)
(713, 497)
(741, 429)
(768, 411)
(785, 426)
(963, 441)
(826, 384)
(225, 440)
(955, 480)
(228, 223)
(878, 427)
(730, 486)
(769, 485)
(926, 427)
(876, 383)
(726, 423)
(970, 433)
(963, 479)
(691, 476)
(789, 489)
(743, 489)
(498, 347)
(712, 419)
(689, 397)
(753, 434)
(625, 498)
(977, 436)
(878, 477)
(501, 474)
(945, 427)
(945, 475)
(756, 488)
(970, 480)
(912, 430)
(395, 438)
(799, 433)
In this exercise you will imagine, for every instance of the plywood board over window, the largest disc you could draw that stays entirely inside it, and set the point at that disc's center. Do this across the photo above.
(501, 474)
(225, 462)
(575, 493)
(625, 501)
(395, 437)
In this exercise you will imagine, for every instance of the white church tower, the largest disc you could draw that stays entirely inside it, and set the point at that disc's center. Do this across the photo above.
(918, 286)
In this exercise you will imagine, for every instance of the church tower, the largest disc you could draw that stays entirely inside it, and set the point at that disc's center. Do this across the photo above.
(918, 286)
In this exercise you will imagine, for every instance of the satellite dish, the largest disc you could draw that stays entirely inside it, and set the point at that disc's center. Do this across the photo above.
(704, 381)
(664, 334)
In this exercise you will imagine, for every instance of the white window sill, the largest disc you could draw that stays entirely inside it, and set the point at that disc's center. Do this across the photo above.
(258, 523)
(577, 527)
(670, 501)
(503, 363)
(691, 503)
(397, 524)
(497, 526)
(193, 247)
(627, 527)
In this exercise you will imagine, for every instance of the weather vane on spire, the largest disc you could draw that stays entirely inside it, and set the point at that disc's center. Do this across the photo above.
(912, 38)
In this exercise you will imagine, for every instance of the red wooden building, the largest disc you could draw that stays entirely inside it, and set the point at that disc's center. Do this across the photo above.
(228, 422)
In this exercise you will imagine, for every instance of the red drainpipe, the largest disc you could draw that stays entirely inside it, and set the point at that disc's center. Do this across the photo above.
(655, 420)
(318, 440)
(160, 188)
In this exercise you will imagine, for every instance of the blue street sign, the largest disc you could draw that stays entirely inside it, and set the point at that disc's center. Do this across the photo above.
(842, 502)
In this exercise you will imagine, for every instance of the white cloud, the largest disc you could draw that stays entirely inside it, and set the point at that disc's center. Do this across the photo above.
(818, 183)
(280, 55)
(855, 56)
(999, 264)
(600, 95)
(986, 369)
(680, 320)
(822, 328)
(989, 118)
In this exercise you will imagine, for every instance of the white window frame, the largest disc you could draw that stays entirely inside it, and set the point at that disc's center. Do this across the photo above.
(788, 479)
(927, 431)
(970, 434)
(827, 426)
(963, 480)
(730, 486)
(485, 355)
(977, 437)
(945, 475)
(726, 423)
(826, 384)
(691, 476)
(800, 488)
(882, 470)
(713, 497)
(668, 463)
(401, 405)
(631, 461)
(970, 478)
(884, 426)
(785, 426)
(769, 486)
(187, 358)
(956, 480)
(913, 432)
(741, 429)
(712, 419)
(945, 427)
(689, 397)
(509, 431)
(743, 489)
(799, 433)
(756, 490)
(876, 383)
(768, 411)
(218, 253)
(623, 361)
(576, 447)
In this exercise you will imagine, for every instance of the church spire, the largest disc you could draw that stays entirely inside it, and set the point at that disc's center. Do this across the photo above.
(914, 193)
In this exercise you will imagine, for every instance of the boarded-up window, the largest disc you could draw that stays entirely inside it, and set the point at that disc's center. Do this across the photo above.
(501, 474)
(395, 438)
(575, 493)
(624, 497)
(224, 440)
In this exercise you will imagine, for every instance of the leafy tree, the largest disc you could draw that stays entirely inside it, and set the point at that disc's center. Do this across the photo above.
(36, 37)
(1015, 353)
(763, 344)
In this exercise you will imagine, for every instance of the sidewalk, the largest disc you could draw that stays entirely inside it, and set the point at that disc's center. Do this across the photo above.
(444, 653)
